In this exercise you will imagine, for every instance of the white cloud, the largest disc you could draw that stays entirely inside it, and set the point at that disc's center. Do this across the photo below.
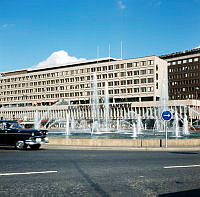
(121, 4)
(56, 59)
(197, 47)
(156, 3)
(7, 25)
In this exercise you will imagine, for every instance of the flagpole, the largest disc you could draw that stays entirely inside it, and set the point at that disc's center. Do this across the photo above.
(121, 50)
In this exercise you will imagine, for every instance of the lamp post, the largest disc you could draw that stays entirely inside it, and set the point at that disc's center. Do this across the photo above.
(197, 88)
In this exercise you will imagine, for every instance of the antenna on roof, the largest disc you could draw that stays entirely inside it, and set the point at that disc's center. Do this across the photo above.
(121, 50)
(97, 53)
(109, 51)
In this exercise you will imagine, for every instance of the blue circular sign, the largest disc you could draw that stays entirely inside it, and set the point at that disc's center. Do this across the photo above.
(166, 115)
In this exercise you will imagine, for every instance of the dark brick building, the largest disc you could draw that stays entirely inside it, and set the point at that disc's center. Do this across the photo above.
(184, 74)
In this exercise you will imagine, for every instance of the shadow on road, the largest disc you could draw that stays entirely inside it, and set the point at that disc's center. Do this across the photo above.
(12, 148)
(194, 192)
(94, 185)
(187, 153)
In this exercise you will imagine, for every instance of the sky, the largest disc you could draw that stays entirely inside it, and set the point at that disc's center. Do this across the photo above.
(43, 33)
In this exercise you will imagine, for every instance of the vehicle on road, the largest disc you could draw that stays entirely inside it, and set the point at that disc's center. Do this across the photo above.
(12, 133)
(195, 126)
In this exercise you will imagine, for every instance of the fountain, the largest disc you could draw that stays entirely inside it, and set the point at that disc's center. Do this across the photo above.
(185, 126)
(176, 125)
(134, 135)
(106, 107)
(132, 125)
(67, 131)
(36, 120)
(95, 106)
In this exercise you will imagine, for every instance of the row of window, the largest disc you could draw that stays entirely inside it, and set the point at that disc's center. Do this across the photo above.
(86, 93)
(80, 86)
(183, 89)
(196, 59)
(78, 71)
(182, 68)
(183, 96)
(185, 82)
(184, 75)
(82, 78)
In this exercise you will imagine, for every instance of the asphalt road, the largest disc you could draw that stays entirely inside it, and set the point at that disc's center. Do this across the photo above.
(99, 173)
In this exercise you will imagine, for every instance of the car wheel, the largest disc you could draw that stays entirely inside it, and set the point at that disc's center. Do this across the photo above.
(35, 147)
(20, 145)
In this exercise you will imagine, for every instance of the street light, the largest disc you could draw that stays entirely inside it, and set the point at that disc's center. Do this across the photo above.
(197, 88)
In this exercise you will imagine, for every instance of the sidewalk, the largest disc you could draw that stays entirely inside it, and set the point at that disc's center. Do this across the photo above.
(67, 147)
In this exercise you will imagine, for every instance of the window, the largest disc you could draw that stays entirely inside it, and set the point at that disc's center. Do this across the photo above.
(110, 83)
(123, 82)
(129, 73)
(117, 66)
(196, 59)
(143, 89)
(116, 83)
(136, 72)
(129, 65)
(150, 71)
(129, 81)
(110, 75)
(129, 90)
(143, 72)
(136, 81)
(150, 80)
(136, 90)
(143, 63)
(122, 74)
(110, 67)
(150, 89)
(143, 80)
(123, 91)
(104, 67)
(150, 62)
(93, 69)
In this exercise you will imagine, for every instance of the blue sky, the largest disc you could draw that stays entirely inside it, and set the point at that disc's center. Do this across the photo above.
(31, 30)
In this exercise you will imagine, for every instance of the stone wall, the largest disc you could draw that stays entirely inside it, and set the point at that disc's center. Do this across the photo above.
(137, 143)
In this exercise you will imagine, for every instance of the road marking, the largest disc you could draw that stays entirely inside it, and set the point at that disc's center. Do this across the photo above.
(27, 173)
(188, 166)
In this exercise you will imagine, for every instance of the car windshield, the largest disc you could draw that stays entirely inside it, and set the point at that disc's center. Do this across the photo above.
(12, 125)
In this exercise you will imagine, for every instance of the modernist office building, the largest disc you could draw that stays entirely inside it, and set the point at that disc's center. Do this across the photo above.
(184, 74)
(134, 85)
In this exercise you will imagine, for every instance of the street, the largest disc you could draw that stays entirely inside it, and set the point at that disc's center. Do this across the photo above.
(54, 172)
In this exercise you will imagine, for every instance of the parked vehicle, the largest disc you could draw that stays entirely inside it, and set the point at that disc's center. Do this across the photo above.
(195, 126)
(12, 133)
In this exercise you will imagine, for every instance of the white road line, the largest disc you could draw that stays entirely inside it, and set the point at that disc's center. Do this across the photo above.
(27, 173)
(188, 166)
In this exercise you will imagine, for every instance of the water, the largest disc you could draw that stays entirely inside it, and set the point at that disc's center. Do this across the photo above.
(131, 126)
(106, 107)
(176, 125)
(36, 120)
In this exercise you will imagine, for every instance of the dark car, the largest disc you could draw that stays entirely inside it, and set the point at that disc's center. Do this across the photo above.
(12, 133)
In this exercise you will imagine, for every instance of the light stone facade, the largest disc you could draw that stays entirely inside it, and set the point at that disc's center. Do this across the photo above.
(133, 85)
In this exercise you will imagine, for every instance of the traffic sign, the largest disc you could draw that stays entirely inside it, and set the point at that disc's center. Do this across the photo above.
(166, 115)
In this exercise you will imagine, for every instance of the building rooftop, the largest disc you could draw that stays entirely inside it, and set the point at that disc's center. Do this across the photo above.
(72, 64)
(180, 53)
